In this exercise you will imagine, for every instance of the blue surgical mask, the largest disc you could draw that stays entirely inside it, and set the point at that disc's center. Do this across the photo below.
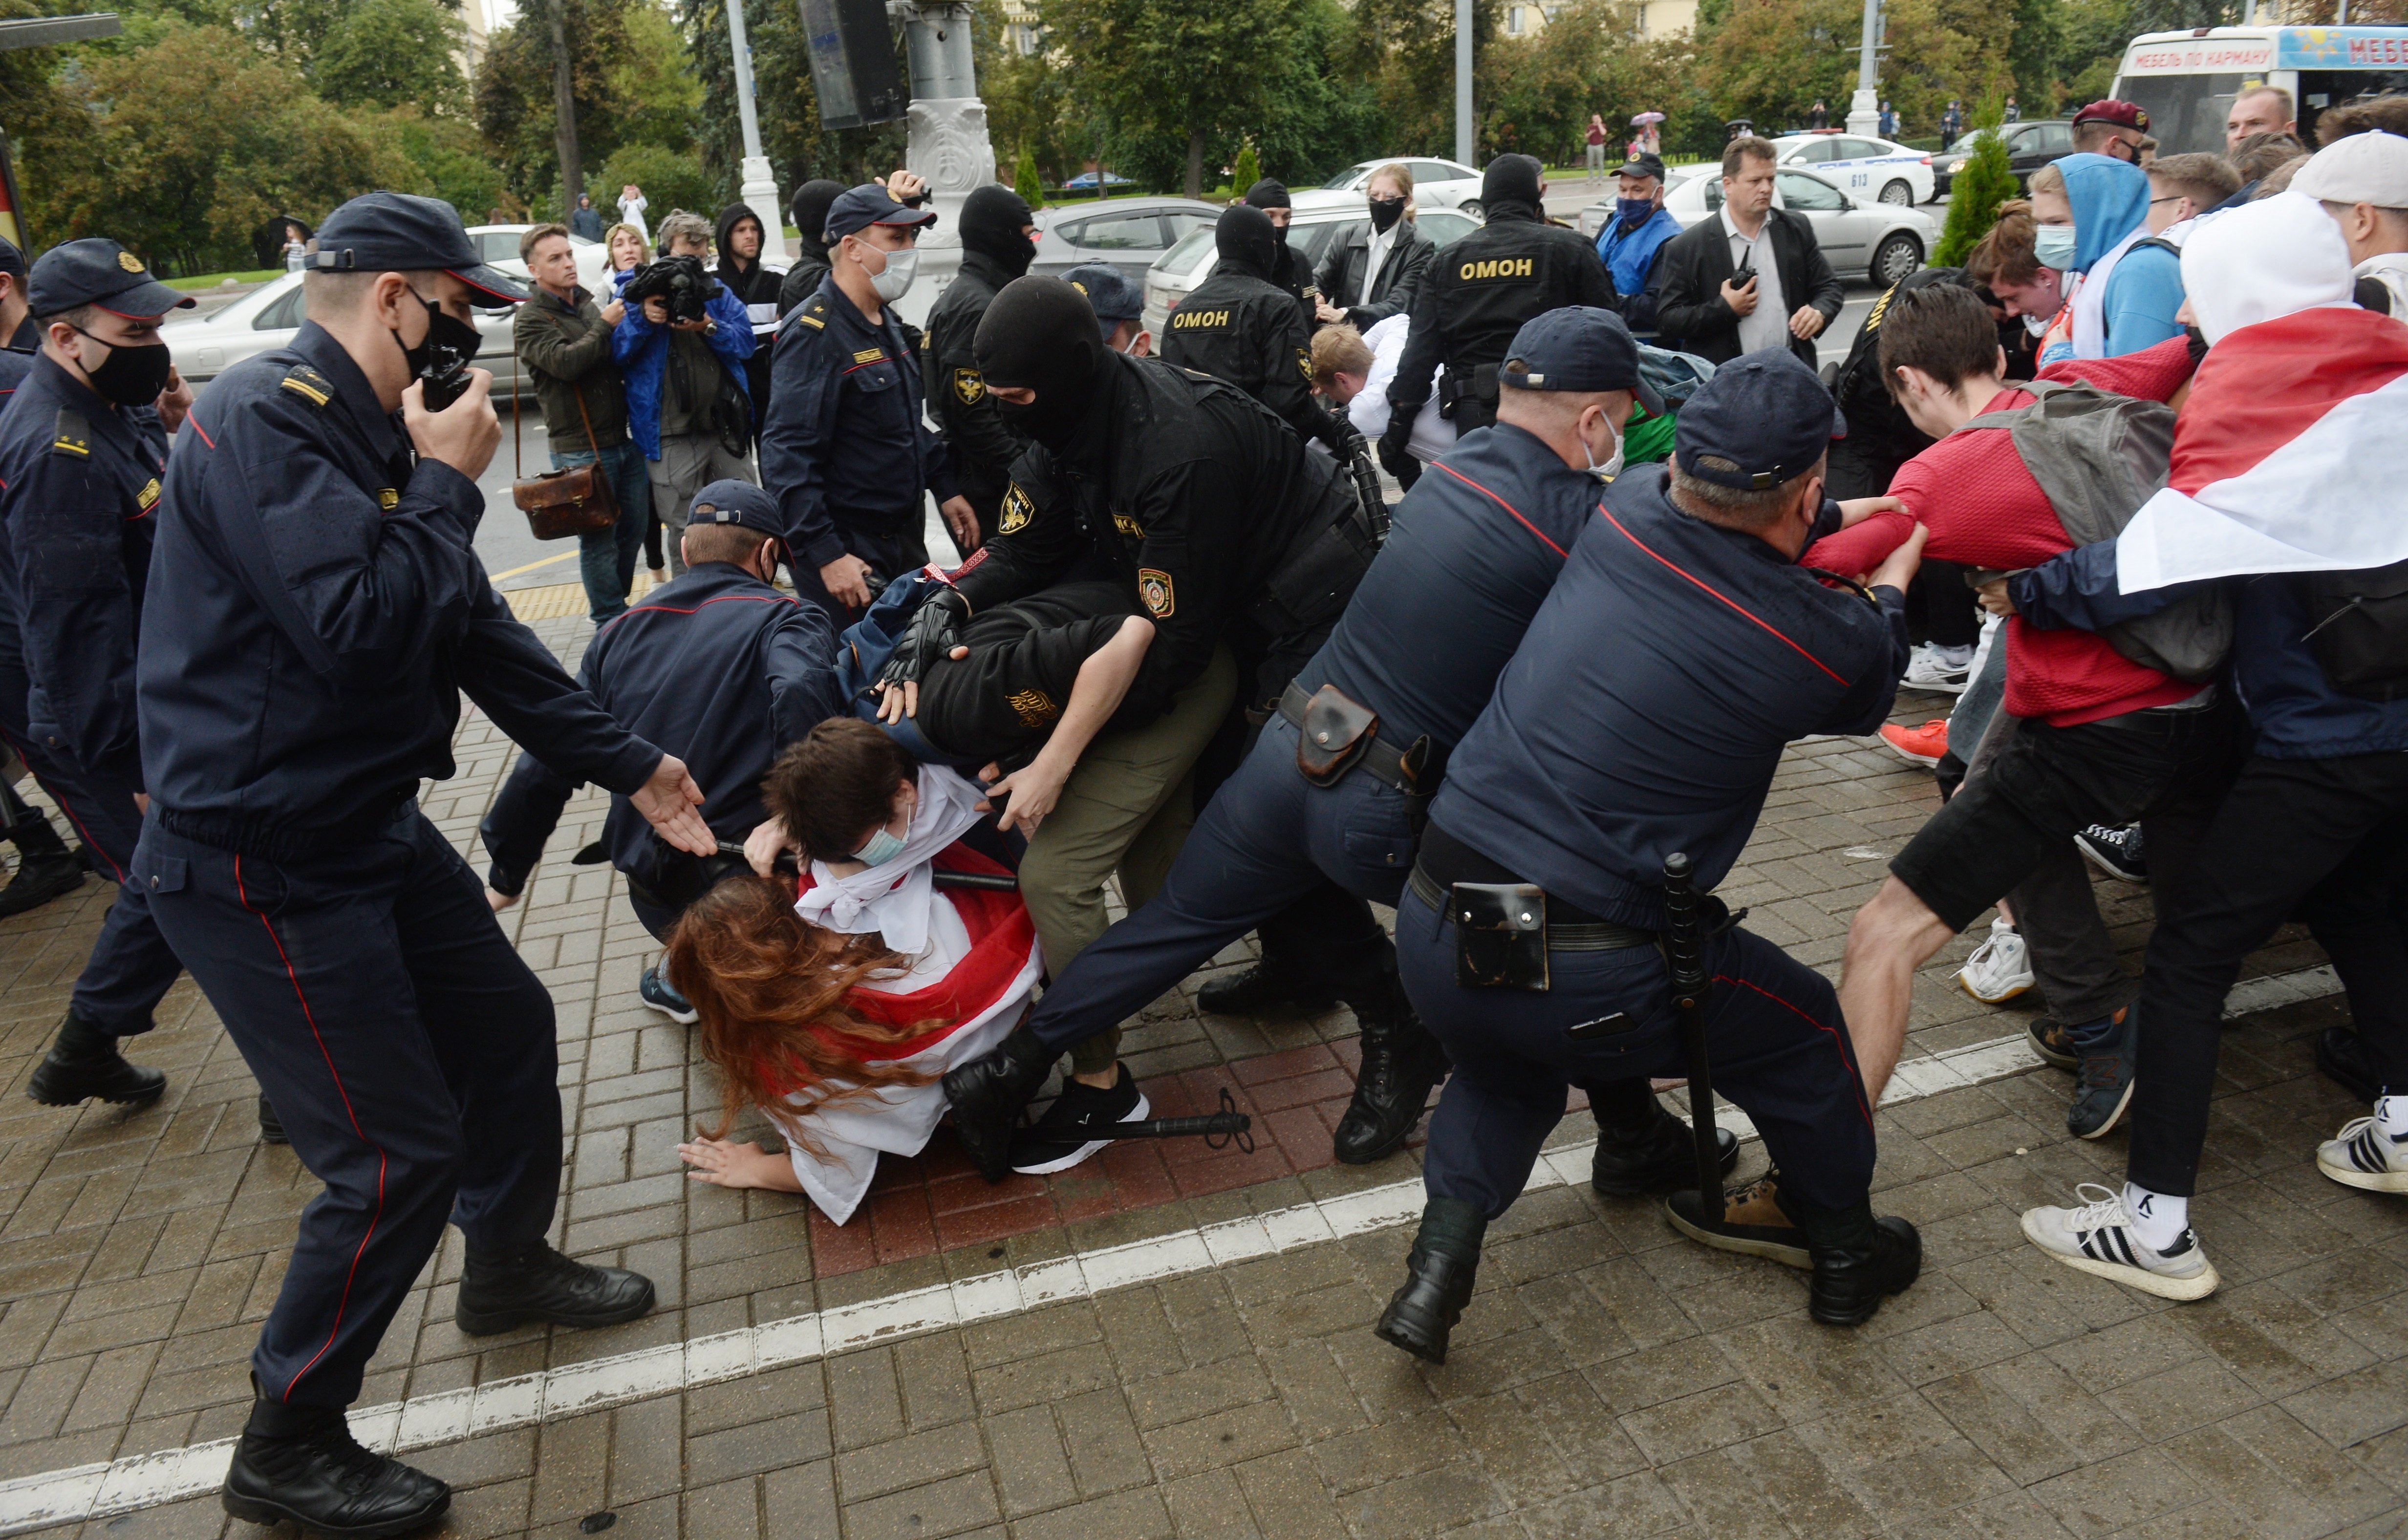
(883, 846)
(2052, 246)
(1634, 210)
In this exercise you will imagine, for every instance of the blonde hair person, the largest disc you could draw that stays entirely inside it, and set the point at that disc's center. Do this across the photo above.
(1340, 351)
(1373, 270)
(640, 254)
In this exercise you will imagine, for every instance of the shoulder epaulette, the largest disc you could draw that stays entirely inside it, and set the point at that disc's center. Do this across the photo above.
(306, 382)
(812, 313)
(72, 435)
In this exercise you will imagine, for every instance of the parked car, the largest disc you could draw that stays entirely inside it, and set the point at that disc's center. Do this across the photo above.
(1881, 242)
(2030, 147)
(1128, 232)
(1868, 168)
(1175, 276)
(1436, 184)
(1085, 182)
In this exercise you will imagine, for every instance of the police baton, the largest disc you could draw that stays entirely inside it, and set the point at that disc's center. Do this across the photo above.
(1367, 485)
(1218, 1129)
(1684, 953)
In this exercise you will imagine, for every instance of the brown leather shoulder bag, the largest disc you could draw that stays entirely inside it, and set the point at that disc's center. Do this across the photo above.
(565, 502)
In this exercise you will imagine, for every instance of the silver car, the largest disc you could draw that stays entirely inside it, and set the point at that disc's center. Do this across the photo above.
(1309, 232)
(1128, 232)
(1879, 242)
(1436, 184)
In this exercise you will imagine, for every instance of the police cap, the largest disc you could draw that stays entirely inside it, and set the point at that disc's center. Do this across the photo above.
(97, 271)
(1109, 290)
(403, 233)
(1642, 165)
(1761, 420)
(856, 208)
(733, 501)
(1577, 348)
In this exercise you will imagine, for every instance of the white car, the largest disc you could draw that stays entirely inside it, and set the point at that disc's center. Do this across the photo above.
(1176, 273)
(1876, 170)
(1879, 242)
(1436, 184)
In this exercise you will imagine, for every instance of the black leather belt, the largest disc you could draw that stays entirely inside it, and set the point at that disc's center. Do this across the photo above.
(1383, 758)
(1446, 861)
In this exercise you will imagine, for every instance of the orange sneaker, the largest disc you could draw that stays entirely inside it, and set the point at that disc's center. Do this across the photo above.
(1921, 745)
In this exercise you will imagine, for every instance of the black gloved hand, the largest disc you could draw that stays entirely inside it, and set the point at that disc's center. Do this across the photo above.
(935, 632)
(1397, 459)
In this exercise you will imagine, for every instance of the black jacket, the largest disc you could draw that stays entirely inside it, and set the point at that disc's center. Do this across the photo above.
(1476, 297)
(1223, 525)
(1697, 263)
(752, 284)
(802, 280)
(1250, 333)
(1399, 279)
(984, 448)
(1881, 436)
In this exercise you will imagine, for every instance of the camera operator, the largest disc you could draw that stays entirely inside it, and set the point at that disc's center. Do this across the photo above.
(680, 350)
(564, 336)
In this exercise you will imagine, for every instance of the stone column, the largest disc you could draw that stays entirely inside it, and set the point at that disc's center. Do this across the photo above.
(948, 142)
(758, 184)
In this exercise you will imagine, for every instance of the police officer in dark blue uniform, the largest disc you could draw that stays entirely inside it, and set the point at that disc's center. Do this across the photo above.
(720, 669)
(846, 450)
(1338, 782)
(1679, 654)
(314, 610)
(81, 455)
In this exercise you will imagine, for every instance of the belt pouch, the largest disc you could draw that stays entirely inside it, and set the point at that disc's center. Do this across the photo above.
(1500, 936)
(1334, 734)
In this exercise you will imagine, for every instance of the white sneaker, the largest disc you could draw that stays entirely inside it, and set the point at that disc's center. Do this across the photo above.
(2000, 968)
(1932, 666)
(2098, 1238)
(2362, 1155)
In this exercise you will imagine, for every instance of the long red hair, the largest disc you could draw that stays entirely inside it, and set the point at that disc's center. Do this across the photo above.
(771, 992)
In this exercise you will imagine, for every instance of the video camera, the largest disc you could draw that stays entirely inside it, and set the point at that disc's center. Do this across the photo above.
(679, 281)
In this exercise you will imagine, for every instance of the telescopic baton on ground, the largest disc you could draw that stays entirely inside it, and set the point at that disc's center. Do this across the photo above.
(1685, 956)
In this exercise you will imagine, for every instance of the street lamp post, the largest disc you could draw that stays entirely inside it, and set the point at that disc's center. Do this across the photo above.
(947, 141)
(758, 185)
(1463, 145)
(1864, 112)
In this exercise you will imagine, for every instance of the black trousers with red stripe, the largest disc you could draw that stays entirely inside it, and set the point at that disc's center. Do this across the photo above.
(1778, 1047)
(131, 966)
(404, 1045)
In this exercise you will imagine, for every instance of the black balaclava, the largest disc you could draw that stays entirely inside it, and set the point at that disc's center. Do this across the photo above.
(1510, 180)
(992, 219)
(1039, 334)
(1246, 236)
(1268, 194)
(810, 207)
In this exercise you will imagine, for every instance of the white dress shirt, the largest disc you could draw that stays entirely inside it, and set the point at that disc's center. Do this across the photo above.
(1768, 326)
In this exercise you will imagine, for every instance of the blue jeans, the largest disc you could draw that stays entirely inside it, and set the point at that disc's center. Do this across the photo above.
(605, 558)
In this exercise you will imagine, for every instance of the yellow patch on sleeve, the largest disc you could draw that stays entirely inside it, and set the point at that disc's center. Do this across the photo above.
(1154, 588)
(147, 498)
(970, 387)
(1018, 509)
(1128, 526)
(388, 499)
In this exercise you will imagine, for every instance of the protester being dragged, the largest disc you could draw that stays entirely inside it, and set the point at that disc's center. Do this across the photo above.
(1352, 369)
(744, 249)
(1633, 241)
(2363, 182)
(1375, 268)
(687, 401)
(2091, 214)
(2286, 472)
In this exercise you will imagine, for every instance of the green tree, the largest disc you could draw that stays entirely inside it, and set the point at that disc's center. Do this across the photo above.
(616, 97)
(1537, 92)
(1246, 170)
(389, 53)
(1025, 181)
(1403, 53)
(449, 156)
(791, 134)
(1974, 194)
(671, 179)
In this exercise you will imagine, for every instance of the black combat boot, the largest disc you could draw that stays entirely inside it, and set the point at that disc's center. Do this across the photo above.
(45, 868)
(499, 1290)
(988, 1094)
(1401, 1061)
(84, 1062)
(302, 1464)
(271, 1127)
(1643, 1150)
(1857, 1258)
(1268, 989)
(1439, 1272)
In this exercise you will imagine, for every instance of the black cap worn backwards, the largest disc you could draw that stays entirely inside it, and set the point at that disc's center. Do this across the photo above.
(1269, 193)
(857, 208)
(740, 502)
(99, 271)
(1109, 290)
(1577, 348)
(1642, 165)
(403, 233)
(1763, 420)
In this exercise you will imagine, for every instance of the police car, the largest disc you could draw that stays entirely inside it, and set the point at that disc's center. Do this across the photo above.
(1876, 170)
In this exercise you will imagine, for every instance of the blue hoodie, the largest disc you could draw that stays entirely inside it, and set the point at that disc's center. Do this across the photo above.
(2110, 198)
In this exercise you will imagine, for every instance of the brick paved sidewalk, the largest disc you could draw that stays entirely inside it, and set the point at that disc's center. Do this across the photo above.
(1607, 1378)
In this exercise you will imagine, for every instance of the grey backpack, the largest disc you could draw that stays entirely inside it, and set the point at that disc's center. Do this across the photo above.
(2098, 456)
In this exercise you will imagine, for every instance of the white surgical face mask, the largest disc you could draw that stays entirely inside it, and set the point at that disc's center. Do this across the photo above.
(1612, 468)
(892, 281)
(882, 847)
(2036, 325)
(2052, 246)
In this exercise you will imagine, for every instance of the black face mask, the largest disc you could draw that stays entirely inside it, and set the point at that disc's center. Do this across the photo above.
(442, 356)
(1040, 333)
(2198, 340)
(1385, 212)
(134, 374)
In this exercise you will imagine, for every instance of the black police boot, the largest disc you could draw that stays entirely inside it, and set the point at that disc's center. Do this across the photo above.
(271, 1127)
(84, 1062)
(302, 1464)
(1401, 1061)
(988, 1094)
(2341, 1053)
(1858, 1258)
(45, 868)
(1653, 1154)
(1439, 1272)
(1266, 989)
(499, 1290)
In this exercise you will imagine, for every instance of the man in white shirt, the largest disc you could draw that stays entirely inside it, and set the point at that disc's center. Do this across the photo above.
(1353, 370)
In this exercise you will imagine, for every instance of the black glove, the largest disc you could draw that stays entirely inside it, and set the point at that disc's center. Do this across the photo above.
(1397, 459)
(935, 632)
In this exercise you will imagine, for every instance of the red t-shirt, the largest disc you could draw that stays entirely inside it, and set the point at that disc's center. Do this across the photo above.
(1983, 507)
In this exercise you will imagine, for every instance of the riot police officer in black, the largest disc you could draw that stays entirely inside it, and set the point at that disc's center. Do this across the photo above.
(1241, 326)
(1287, 270)
(1477, 296)
(999, 242)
